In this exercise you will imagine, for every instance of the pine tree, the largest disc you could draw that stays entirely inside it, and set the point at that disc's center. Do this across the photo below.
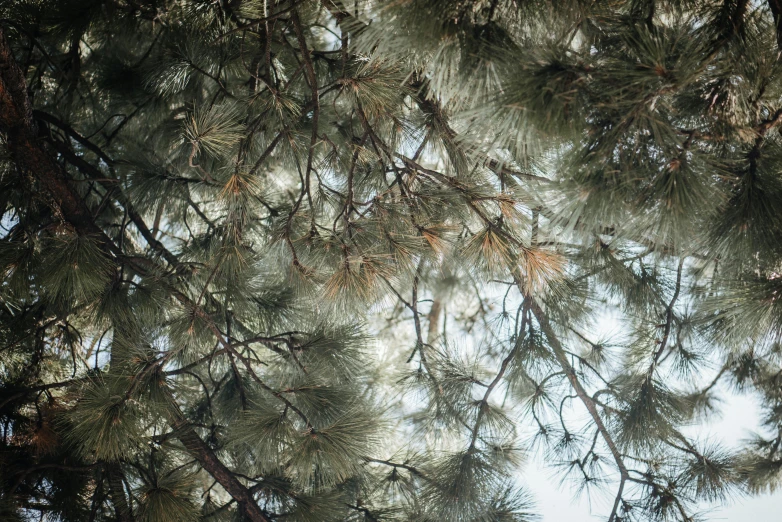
(347, 260)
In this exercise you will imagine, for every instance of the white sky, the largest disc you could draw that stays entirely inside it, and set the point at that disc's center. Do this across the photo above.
(740, 417)
(556, 503)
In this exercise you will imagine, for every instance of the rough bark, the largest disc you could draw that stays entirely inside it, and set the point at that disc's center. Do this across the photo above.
(32, 161)
(206, 457)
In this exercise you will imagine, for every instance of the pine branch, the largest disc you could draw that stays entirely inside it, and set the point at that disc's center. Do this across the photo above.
(668, 318)
(14, 394)
(666, 142)
(500, 374)
(38, 467)
(70, 131)
(338, 11)
(206, 457)
(95, 174)
(313, 83)
(583, 396)
(433, 108)
(17, 122)
(117, 493)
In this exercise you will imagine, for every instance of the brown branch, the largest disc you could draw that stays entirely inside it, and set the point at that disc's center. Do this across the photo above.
(38, 467)
(95, 174)
(503, 368)
(582, 394)
(18, 393)
(32, 161)
(433, 318)
(411, 469)
(207, 458)
(669, 317)
(312, 80)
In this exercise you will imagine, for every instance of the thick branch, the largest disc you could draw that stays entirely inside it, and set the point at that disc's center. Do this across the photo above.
(32, 161)
(206, 457)
(94, 173)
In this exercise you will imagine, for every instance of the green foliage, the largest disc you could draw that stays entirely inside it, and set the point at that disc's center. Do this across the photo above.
(76, 268)
(352, 261)
(168, 500)
(332, 454)
(105, 423)
(215, 131)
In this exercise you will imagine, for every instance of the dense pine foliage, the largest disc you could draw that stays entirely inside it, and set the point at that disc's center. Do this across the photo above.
(318, 261)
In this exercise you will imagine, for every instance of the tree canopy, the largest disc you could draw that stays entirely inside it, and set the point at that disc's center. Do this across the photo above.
(313, 261)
